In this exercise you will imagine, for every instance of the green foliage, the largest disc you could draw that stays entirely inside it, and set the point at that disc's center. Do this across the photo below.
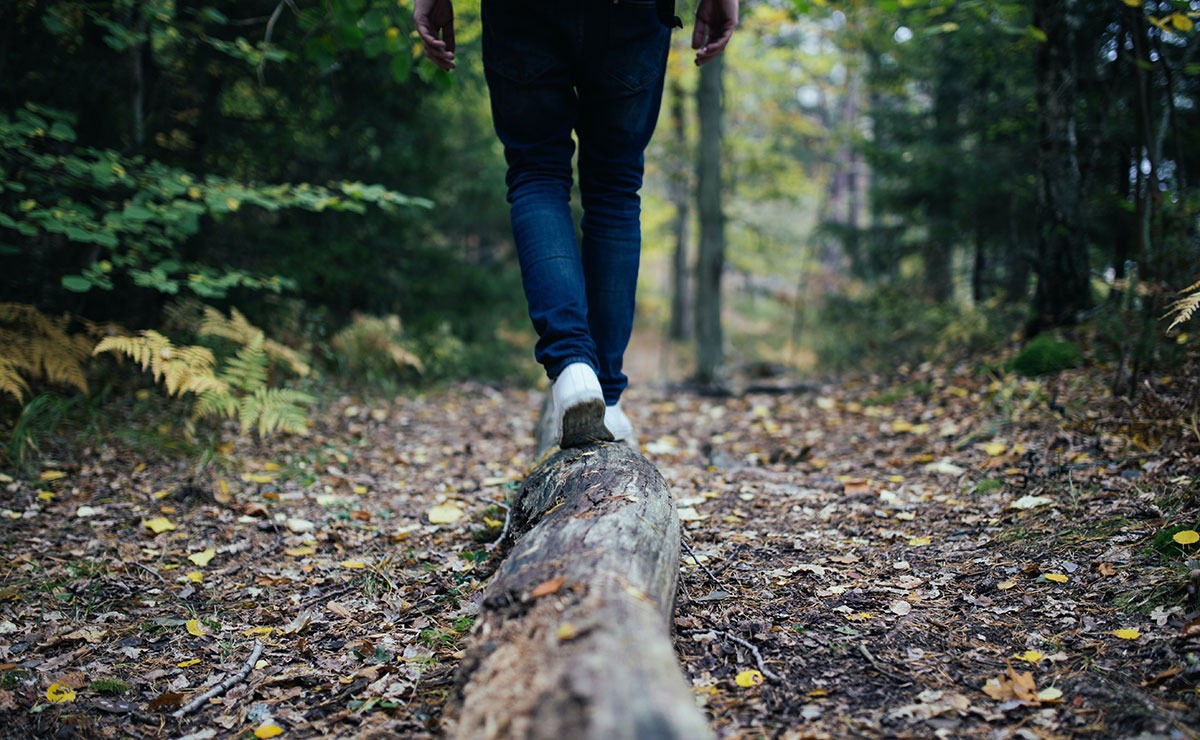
(1165, 543)
(131, 215)
(38, 418)
(1046, 355)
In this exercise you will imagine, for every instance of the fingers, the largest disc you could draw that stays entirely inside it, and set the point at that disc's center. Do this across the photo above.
(715, 46)
(699, 33)
(441, 53)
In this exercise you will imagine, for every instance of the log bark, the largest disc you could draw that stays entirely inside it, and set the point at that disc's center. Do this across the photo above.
(573, 637)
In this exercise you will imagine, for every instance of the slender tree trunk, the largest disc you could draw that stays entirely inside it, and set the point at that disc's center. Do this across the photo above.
(1062, 265)
(679, 192)
(710, 261)
(1147, 192)
(938, 252)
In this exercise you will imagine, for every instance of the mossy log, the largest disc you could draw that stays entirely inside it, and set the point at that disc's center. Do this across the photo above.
(573, 637)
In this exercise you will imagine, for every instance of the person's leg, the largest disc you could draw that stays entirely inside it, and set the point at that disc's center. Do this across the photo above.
(620, 91)
(534, 108)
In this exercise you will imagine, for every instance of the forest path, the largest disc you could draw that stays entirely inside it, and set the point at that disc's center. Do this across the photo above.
(944, 557)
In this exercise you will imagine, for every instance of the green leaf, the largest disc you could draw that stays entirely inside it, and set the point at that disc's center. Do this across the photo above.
(76, 283)
(401, 65)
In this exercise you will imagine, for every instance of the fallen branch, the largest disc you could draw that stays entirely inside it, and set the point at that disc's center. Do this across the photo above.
(758, 658)
(225, 685)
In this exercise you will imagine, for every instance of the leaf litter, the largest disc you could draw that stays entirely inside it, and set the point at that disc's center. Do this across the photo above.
(885, 565)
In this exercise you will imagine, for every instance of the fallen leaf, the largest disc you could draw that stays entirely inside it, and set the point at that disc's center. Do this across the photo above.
(338, 610)
(166, 700)
(749, 678)
(299, 525)
(85, 511)
(918, 541)
(446, 513)
(352, 564)
(189, 663)
(1187, 537)
(60, 693)
(566, 631)
(994, 449)
(1050, 694)
(194, 628)
(1056, 577)
(195, 576)
(900, 607)
(689, 514)
(297, 552)
(258, 631)
(55, 475)
(203, 557)
(545, 588)
(1127, 634)
(1030, 656)
(1030, 502)
(855, 486)
(257, 478)
(159, 524)
(1106, 569)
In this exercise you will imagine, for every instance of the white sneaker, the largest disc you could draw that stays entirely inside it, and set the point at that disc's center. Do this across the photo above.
(579, 406)
(619, 424)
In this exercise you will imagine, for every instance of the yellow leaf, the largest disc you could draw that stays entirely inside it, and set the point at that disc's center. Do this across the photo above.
(446, 513)
(1186, 537)
(1181, 21)
(566, 631)
(1056, 577)
(1030, 656)
(54, 475)
(258, 631)
(232, 204)
(353, 564)
(203, 557)
(995, 448)
(918, 541)
(194, 193)
(268, 731)
(60, 693)
(272, 466)
(746, 679)
(189, 663)
(257, 478)
(139, 467)
(1127, 634)
(45, 495)
(493, 523)
(1049, 694)
(298, 552)
(900, 425)
(162, 493)
(195, 576)
(1006, 585)
(159, 524)
(194, 629)
(896, 478)
(1133, 3)
(359, 489)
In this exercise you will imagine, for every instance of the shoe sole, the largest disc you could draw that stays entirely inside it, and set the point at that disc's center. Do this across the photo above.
(583, 423)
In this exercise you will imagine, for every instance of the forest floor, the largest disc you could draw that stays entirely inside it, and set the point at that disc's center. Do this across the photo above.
(958, 555)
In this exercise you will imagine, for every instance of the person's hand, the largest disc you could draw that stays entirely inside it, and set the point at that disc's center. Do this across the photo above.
(715, 21)
(435, 18)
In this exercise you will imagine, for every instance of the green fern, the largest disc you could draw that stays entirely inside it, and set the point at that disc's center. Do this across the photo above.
(247, 369)
(237, 329)
(1185, 306)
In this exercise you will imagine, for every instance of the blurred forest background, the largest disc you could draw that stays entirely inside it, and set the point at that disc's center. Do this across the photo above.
(855, 186)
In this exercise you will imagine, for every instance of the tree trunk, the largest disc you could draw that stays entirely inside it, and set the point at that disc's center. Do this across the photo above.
(572, 639)
(679, 192)
(1063, 289)
(710, 261)
(938, 253)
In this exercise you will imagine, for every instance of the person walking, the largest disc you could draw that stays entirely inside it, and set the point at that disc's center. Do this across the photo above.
(594, 68)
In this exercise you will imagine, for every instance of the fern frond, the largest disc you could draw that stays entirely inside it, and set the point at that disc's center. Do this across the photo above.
(238, 329)
(11, 381)
(216, 402)
(187, 369)
(1186, 306)
(40, 346)
(247, 369)
(275, 409)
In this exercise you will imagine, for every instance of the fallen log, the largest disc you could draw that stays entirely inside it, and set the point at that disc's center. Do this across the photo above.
(573, 636)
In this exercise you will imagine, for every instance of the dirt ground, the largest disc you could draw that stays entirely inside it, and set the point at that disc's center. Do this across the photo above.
(943, 553)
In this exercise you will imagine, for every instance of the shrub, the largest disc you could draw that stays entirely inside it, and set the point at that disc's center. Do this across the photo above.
(1046, 355)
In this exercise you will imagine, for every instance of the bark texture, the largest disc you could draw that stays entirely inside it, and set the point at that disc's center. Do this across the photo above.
(592, 656)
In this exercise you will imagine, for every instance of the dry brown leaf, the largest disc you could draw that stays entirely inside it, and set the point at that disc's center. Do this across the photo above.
(545, 588)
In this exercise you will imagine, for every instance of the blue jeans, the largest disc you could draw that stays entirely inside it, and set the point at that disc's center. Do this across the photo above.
(594, 67)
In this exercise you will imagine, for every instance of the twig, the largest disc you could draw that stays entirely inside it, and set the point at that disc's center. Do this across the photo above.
(327, 595)
(225, 685)
(696, 560)
(267, 39)
(148, 570)
(504, 530)
(758, 659)
(875, 664)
